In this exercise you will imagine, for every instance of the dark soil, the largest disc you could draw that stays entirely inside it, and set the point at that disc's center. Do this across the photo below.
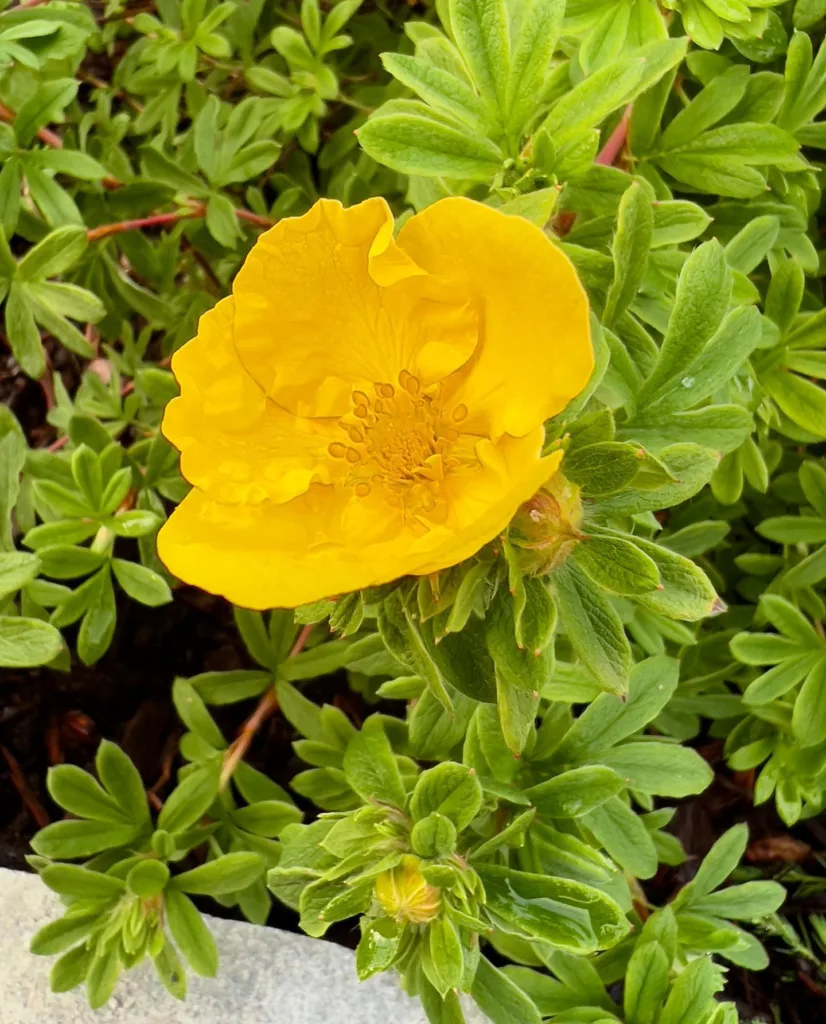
(47, 717)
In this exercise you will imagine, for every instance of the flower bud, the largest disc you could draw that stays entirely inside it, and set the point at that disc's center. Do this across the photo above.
(405, 895)
(546, 527)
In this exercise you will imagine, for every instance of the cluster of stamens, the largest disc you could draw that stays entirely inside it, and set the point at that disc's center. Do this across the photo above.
(400, 440)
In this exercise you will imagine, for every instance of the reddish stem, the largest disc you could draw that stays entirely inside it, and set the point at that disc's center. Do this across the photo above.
(254, 218)
(613, 147)
(156, 220)
(267, 706)
(18, 780)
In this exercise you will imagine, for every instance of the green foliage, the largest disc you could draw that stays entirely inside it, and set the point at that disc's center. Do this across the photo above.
(543, 702)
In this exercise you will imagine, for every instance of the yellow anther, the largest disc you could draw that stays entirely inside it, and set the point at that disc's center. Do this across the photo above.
(338, 451)
(404, 442)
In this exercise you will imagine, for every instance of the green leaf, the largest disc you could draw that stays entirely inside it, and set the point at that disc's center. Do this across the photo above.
(703, 292)
(81, 883)
(794, 529)
(440, 88)
(661, 769)
(646, 983)
(677, 221)
(717, 865)
(230, 873)
(499, 998)
(697, 538)
(370, 766)
(13, 449)
(71, 162)
(122, 781)
(710, 105)
(221, 221)
(77, 792)
(575, 792)
(685, 591)
(750, 246)
(617, 565)
(714, 367)
(191, 798)
(609, 720)
(591, 100)
(692, 993)
(171, 971)
(403, 640)
(480, 29)
(231, 687)
(267, 818)
(44, 105)
(205, 135)
(690, 465)
(193, 713)
(57, 936)
(17, 568)
(71, 969)
(449, 789)
(632, 240)
(517, 713)
(593, 627)
(103, 975)
(445, 954)
(70, 840)
(416, 144)
(809, 715)
(58, 251)
(377, 948)
(463, 658)
(526, 665)
(193, 937)
(27, 643)
(624, 837)
(67, 300)
(569, 915)
(534, 42)
(141, 583)
(23, 334)
(98, 625)
(603, 468)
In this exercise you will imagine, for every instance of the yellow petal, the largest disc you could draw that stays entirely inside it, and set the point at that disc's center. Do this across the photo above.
(283, 555)
(327, 302)
(235, 443)
(535, 352)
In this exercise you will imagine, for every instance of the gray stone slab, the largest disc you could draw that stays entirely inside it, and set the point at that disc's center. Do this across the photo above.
(266, 977)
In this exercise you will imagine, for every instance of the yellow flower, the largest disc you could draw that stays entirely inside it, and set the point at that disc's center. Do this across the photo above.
(364, 407)
(405, 895)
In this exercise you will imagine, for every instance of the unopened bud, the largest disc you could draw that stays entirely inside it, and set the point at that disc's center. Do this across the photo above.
(546, 527)
(405, 894)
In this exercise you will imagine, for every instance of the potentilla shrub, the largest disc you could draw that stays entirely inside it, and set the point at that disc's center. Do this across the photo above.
(489, 333)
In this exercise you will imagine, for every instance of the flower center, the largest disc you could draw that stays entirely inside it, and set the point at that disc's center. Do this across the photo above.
(400, 440)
